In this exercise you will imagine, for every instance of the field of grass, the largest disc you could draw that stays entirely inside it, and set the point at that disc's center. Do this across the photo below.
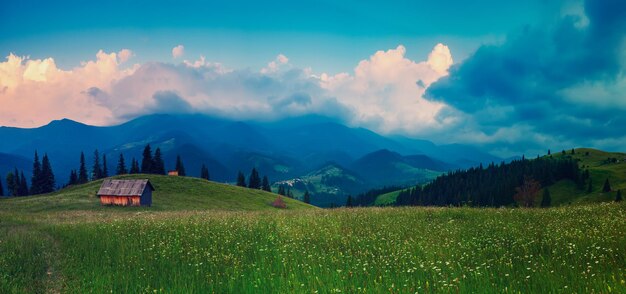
(580, 249)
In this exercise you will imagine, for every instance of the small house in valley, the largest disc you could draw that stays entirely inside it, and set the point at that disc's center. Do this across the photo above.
(126, 192)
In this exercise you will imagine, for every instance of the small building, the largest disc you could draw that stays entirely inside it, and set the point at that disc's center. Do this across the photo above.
(173, 173)
(126, 192)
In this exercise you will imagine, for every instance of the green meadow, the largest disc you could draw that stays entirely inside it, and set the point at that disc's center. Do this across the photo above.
(255, 248)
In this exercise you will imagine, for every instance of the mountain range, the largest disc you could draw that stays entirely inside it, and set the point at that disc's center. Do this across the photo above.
(283, 150)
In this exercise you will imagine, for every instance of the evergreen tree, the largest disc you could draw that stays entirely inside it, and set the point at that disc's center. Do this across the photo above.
(349, 201)
(589, 187)
(573, 152)
(618, 197)
(158, 166)
(307, 197)
(546, 200)
(105, 170)
(23, 188)
(47, 175)
(289, 193)
(1, 189)
(134, 167)
(180, 167)
(96, 170)
(548, 151)
(121, 166)
(73, 178)
(36, 180)
(241, 180)
(607, 186)
(281, 190)
(146, 161)
(266, 184)
(82, 171)
(12, 186)
(254, 181)
(204, 172)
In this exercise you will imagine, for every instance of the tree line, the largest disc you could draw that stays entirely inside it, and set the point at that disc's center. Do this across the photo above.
(496, 185)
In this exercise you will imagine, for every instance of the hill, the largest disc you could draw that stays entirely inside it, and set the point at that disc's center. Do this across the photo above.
(171, 193)
(601, 165)
(388, 168)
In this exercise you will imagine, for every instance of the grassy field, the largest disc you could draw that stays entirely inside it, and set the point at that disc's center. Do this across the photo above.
(371, 250)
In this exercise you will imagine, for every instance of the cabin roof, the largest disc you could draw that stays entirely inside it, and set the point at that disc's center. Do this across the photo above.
(124, 187)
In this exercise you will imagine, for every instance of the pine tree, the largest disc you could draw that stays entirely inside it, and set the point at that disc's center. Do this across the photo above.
(307, 197)
(134, 166)
(23, 188)
(241, 180)
(589, 186)
(158, 167)
(349, 201)
(254, 181)
(180, 167)
(573, 152)
(546, 200)
(281, 190)
(1, 189)
(11, 185)
(96, 170)
(121, 166)
(548, 151)
(146, 161)
(289, 193)
(204, 172)
(618, 197)
(47, 175)
(266, 184)
(105, 170)
(82, 171)
(607, 186)
(73, 178)
(36, 180)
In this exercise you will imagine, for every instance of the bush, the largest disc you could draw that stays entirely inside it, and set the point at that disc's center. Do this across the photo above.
(279, 202)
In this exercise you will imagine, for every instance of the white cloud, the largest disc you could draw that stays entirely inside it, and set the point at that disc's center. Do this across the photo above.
(383, 93)
(178, 51)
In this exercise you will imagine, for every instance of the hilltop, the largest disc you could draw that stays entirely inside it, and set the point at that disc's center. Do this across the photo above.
(172, 193)
(601, 165)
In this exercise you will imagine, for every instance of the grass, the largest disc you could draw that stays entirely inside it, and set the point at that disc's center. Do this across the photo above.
(580, 249)
(172, 193)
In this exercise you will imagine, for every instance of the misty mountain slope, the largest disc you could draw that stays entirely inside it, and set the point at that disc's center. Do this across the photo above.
(387, 168)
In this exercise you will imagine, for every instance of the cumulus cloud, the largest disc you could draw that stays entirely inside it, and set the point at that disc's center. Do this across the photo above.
(564, 83)
(274, 65)
(178, 51)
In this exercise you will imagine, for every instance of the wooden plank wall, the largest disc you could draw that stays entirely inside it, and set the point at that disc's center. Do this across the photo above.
(120, 200)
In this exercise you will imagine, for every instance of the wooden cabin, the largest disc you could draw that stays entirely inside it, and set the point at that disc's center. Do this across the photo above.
(172, 173)
(126, 192)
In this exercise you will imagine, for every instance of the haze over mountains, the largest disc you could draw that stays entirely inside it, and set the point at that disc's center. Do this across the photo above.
(282, 150)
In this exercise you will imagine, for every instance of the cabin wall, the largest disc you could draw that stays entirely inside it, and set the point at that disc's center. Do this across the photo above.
(120, 200)
(146, 197)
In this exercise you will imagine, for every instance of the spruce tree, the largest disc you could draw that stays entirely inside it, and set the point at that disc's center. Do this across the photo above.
(47, 174)
(105, 170)
(349, 201)
(158, 166)
(289, 193)
(546, 200)
(82, 171)
(254, 181)
(121, 166)
(589, 186)
(146, 161)
(180, 167)
(1, 189)
(607, 186)
(281, 190)
(23, 188)
(548, 151)
(96, 170)
(11, 185)
(618, 197)
(134, 167)
(573, 152)
(36, 180)
(241, 180)
(204, 172)
(307, 197)
(73, 178)
(266, 184)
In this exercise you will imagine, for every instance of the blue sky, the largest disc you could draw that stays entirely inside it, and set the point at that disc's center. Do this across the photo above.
(511, 76)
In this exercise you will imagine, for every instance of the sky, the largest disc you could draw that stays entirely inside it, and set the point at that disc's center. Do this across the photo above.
(512, 76)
